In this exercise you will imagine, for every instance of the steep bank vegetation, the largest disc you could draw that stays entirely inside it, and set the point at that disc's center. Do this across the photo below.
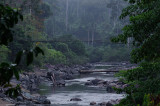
(143, 81)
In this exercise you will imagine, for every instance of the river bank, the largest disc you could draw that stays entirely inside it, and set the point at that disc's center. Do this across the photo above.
(67, 77)
(30, 82)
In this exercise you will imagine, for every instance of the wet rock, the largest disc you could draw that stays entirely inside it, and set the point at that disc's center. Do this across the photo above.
(29, 103)
(60, 83)
(43, 100)
(46, 101)
(96, 81)
(109, 89)
(93, 103)
(2, 95)
(19, 98)
(88, 83)
(68, 77)
(109, 104)
(20, 104)
(102, 82)
(105, 104)
(114, 102)
(34, 87)
(102, 104)
(27, 95)
(32, 80)
(75, 99)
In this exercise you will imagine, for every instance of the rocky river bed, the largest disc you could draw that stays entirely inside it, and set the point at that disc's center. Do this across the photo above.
(60, 85)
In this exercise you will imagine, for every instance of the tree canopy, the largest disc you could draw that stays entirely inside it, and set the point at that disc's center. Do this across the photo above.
(143, 28)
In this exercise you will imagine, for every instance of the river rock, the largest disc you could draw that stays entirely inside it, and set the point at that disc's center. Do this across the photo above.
(88, 83)
(43, 100)
(19, 98)
(75, 99)
(114, 102)
(109, 89)
(109, 104)
(27, 95)
(102, 104)
(105, 104)
(2, 95)
(68, 77)
(96, 81)
(60, 83)
(93, 103)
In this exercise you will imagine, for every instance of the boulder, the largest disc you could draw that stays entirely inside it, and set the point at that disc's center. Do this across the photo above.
(68, 77)
(27, 95)
(95, 81)
(102, 104)
(88, 83)
(103, 82)
(93, 103)
(43, 100)
(2, 95)
(46, 101)
(109, 89)
(75, 99)
(32, 80)
(109, 104)
(19, 98)
(60, 83)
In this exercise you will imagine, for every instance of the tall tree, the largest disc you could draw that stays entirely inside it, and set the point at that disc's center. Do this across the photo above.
(143, 81)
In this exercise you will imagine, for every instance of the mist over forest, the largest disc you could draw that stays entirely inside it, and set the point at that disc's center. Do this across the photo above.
(80, 52)
(93, 22)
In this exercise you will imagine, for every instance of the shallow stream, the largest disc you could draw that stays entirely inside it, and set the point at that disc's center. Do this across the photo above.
(60, 96)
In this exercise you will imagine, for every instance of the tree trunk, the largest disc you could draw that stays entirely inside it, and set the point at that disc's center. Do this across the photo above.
(66, 15)
(77, 8)
(92, 37)
(88, 38)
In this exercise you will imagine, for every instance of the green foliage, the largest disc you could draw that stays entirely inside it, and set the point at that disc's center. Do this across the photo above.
(4, 51)
(108, 53)
(147, 101)
(14, 92)
(62, 47)
(55, 57)
(95, 54)
(116, 53)
(143, 29)
(73, 49)
(77, 47)
(142, 80)
(9, 17)
(72, 58)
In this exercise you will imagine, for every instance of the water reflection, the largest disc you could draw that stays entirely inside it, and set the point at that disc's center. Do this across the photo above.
(60, 96)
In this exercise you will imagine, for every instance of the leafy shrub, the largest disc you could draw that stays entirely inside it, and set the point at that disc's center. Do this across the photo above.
(141, 80)
(116, 54)
(109, 53)
(95, 54)
(62, 47)
(4, 51)
(55, 57)
(77, 47)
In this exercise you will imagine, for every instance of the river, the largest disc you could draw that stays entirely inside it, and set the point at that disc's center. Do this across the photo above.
(60, 96)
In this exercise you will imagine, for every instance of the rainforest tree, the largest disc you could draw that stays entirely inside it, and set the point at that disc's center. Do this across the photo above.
(143, 29)
(9, 17)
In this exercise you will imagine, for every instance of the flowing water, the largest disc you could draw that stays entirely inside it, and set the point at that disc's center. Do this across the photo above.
(60, 96)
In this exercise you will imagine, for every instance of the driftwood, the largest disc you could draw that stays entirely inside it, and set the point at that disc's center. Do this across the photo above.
(91, 71)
